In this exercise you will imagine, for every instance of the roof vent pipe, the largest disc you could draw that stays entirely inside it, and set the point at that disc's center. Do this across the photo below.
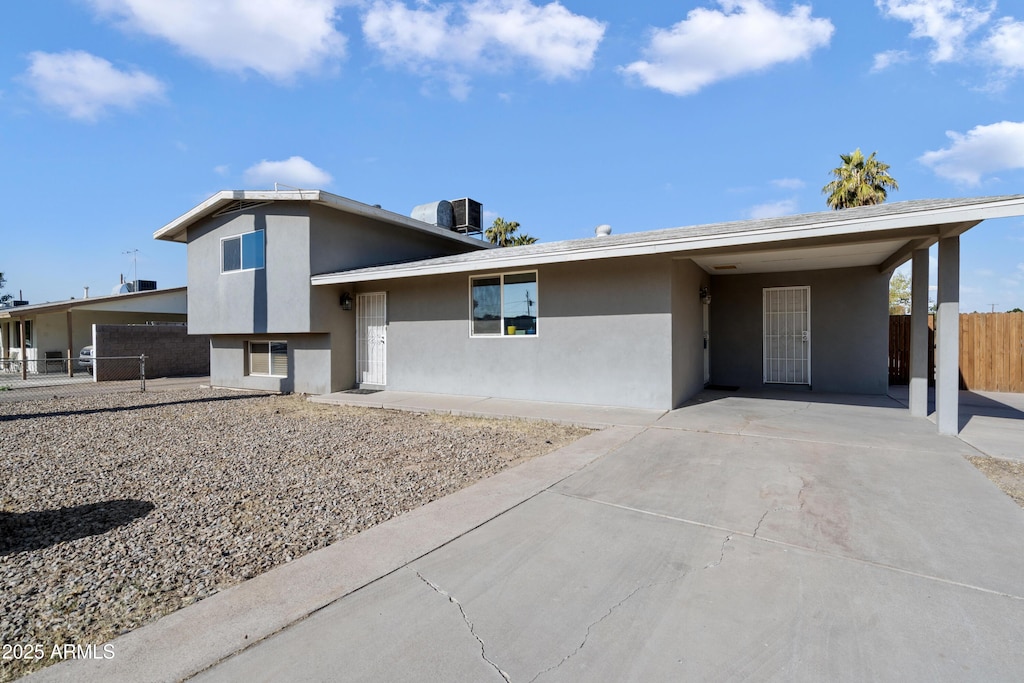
(86, 292)
(602, 230)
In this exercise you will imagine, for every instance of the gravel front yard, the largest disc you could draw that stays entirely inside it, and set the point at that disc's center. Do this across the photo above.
(1008, 475)
(116, 510)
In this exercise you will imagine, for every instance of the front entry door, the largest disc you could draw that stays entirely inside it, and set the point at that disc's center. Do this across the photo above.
(787, 335)
(371, 338)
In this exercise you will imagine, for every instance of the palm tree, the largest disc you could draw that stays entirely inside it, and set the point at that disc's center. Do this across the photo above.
(859, 181)
(504, 234)
(4, 298)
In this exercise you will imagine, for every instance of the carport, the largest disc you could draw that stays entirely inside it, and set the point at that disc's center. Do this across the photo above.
(770, 290)
(883, 244)
(32, 334)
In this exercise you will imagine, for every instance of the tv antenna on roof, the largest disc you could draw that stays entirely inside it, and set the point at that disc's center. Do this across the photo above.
(135, 266)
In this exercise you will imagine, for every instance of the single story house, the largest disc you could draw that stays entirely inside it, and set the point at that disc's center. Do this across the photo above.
(310, 292)
(61, 329)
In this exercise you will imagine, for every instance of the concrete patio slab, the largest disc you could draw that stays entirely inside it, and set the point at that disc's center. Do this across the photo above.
(997, 437)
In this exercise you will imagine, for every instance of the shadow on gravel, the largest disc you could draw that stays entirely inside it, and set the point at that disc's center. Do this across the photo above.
(121, 409)
(21, 531)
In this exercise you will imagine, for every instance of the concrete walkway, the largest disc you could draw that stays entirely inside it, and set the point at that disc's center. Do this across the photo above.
(990, 421)
(482, 406)
(766, 537)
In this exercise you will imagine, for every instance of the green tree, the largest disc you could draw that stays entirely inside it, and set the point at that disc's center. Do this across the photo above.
(4, 298)
(899, 294)
(1015, 310)
(859, 181)
(506, 234)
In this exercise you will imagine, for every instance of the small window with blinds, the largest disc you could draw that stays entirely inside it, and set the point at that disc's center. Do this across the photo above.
(268, 358)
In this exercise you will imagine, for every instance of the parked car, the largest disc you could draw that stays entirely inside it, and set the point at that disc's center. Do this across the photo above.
(85, 357)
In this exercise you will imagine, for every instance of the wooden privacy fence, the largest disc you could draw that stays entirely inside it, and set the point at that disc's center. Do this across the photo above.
(899, 349)
(991, 351)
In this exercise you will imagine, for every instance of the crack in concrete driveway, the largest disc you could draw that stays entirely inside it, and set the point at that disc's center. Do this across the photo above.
(472, 631)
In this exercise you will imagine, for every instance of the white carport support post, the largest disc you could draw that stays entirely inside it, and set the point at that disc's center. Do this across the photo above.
(919, 335)
(947, 338)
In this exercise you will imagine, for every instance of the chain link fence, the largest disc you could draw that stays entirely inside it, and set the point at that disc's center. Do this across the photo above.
(56, 377)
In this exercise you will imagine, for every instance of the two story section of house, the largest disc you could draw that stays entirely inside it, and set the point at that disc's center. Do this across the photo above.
(251, 255)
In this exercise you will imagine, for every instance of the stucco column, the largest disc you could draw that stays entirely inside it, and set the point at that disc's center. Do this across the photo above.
(71, 370)
(919, 335)
(24, 362)
(947, 338)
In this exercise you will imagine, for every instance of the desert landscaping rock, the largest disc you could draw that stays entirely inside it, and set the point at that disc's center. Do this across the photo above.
(118, 509)
(1008, 475)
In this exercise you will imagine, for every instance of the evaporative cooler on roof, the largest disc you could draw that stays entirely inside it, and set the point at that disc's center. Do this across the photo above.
(468, 215)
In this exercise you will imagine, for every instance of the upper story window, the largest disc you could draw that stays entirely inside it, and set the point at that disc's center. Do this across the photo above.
(504, 305)
(242, 252)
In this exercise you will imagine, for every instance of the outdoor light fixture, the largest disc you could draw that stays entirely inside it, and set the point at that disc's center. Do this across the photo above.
(705, 295)
(346, 301)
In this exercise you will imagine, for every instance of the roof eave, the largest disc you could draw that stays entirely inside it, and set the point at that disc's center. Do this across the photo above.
(68, 304)
(931, 221)
(176, 230)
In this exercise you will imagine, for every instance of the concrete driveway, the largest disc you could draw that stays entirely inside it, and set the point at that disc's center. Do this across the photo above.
(738, 538)
(775, 536)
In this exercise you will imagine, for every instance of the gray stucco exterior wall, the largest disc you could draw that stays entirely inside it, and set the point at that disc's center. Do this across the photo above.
(309, 364)
(604, 337)
(687, 330)
(273, 299)
(277, 301)
(343, 241)
(849, 328)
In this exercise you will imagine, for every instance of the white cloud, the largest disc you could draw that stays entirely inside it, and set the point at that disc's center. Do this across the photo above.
(946, 22)
(711, 45)
(558, 43)
(293, 171)
(275, 38)
(412, 36)
(1005, 45)
(783, 207)
(84, 86)
(883, 60)
(789, 183)
(222, 169)
(453, 41)
(982, 150)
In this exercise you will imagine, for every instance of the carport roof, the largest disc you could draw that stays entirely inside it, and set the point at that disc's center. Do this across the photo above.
(95, 303)
(883, 235)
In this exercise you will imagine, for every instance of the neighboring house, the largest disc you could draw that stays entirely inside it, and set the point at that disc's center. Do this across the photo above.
(60, 329)
(640, 320)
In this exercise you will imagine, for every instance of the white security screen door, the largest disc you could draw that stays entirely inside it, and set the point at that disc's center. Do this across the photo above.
(787, 335)
(371, 338)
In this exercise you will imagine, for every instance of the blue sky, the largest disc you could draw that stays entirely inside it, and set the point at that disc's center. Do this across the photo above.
(116, 116)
